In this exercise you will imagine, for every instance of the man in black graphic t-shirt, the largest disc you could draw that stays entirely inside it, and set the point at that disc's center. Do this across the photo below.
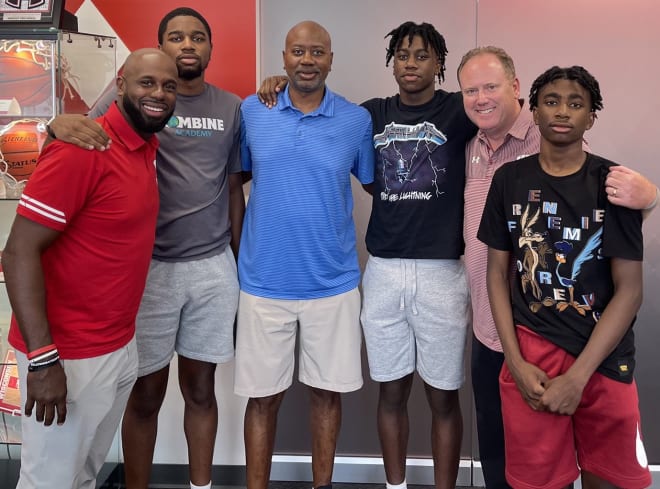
(569, 402)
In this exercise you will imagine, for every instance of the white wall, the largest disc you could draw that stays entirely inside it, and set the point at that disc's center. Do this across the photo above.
(171, 446)
(358, 28)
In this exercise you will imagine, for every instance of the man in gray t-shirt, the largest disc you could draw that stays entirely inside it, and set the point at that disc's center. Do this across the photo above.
(190, 300)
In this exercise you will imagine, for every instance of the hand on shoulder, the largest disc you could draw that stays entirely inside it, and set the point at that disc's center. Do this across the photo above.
(628, 188)
(79, 130)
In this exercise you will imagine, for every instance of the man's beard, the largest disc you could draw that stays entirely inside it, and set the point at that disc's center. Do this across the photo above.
(141, 122)
(190, 72)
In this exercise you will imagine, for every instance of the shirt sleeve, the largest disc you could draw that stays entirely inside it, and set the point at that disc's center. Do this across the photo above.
(246, 160)
(622, 233)
(234, 163)
(365, 163)
(493, 230)
(60, 185)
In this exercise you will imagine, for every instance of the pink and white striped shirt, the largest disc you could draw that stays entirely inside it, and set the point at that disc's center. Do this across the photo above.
(523, 139)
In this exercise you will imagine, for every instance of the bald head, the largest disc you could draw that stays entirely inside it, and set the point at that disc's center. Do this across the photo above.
(146, 90)
(307, 28)
(148, 58)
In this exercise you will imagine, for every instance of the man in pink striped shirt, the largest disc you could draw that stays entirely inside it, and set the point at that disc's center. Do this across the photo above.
(491, 97)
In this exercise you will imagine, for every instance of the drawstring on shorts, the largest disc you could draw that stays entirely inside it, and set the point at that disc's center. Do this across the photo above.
(413, 278)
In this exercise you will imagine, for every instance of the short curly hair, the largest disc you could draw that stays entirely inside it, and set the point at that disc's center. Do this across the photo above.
(181, 12)
(575, 73)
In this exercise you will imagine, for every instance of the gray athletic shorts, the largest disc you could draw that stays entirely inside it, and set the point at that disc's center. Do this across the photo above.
(189, 307)
(415, 315)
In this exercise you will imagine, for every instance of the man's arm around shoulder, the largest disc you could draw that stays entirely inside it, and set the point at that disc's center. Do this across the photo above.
(628, 188)
(80, 130)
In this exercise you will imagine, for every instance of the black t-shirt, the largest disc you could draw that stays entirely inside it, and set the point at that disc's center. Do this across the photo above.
(417, 209)
(562, 232)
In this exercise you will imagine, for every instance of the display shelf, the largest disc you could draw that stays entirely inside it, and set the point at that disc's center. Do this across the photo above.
(6, 119)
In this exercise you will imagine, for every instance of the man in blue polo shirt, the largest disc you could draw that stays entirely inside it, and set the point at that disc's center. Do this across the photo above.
(298, 262)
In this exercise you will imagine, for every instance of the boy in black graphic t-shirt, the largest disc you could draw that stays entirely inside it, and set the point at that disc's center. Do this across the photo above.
(567, 385)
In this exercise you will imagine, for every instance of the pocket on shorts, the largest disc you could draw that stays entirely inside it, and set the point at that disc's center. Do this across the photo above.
(376, 272)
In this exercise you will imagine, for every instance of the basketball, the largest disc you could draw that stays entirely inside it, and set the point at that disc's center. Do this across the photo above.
(23, 78)
(19, 148)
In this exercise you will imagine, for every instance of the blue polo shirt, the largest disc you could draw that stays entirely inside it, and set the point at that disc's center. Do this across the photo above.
(298, 238)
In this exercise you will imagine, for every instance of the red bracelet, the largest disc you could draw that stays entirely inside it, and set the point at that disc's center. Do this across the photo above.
(39, 351)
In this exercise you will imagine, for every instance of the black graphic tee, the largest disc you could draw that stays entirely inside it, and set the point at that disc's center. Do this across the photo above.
(419, 180)
(562, 232)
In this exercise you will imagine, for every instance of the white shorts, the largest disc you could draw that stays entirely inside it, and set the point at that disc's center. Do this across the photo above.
(329, 352)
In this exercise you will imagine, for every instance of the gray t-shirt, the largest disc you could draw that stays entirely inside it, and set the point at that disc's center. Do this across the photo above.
(199, 148)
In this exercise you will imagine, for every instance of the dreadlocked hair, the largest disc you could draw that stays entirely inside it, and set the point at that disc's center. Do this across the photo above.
(574, 73)
(429, 35)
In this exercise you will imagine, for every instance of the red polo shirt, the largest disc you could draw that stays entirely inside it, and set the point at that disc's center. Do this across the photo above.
(105, 205)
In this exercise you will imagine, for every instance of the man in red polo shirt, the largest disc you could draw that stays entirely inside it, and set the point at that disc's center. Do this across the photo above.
(75, 266)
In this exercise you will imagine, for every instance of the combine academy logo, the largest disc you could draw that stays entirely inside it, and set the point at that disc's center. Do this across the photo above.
(200, 127)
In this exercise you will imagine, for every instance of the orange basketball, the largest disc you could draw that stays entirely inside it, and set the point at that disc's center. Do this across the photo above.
(19, 148)
(23, 78)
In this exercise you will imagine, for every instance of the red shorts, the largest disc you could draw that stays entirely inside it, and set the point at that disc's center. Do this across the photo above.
(545, 450)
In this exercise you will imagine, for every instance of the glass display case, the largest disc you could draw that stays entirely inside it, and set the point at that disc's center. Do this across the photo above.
(41, 75)
(40, 78)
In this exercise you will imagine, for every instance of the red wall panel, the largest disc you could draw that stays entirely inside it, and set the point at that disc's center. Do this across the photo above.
(233, 25)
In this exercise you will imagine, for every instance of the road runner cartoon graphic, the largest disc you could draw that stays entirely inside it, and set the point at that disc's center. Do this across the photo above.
(563, 248)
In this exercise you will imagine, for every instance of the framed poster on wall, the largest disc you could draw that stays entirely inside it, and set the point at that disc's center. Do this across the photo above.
(43, 13)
